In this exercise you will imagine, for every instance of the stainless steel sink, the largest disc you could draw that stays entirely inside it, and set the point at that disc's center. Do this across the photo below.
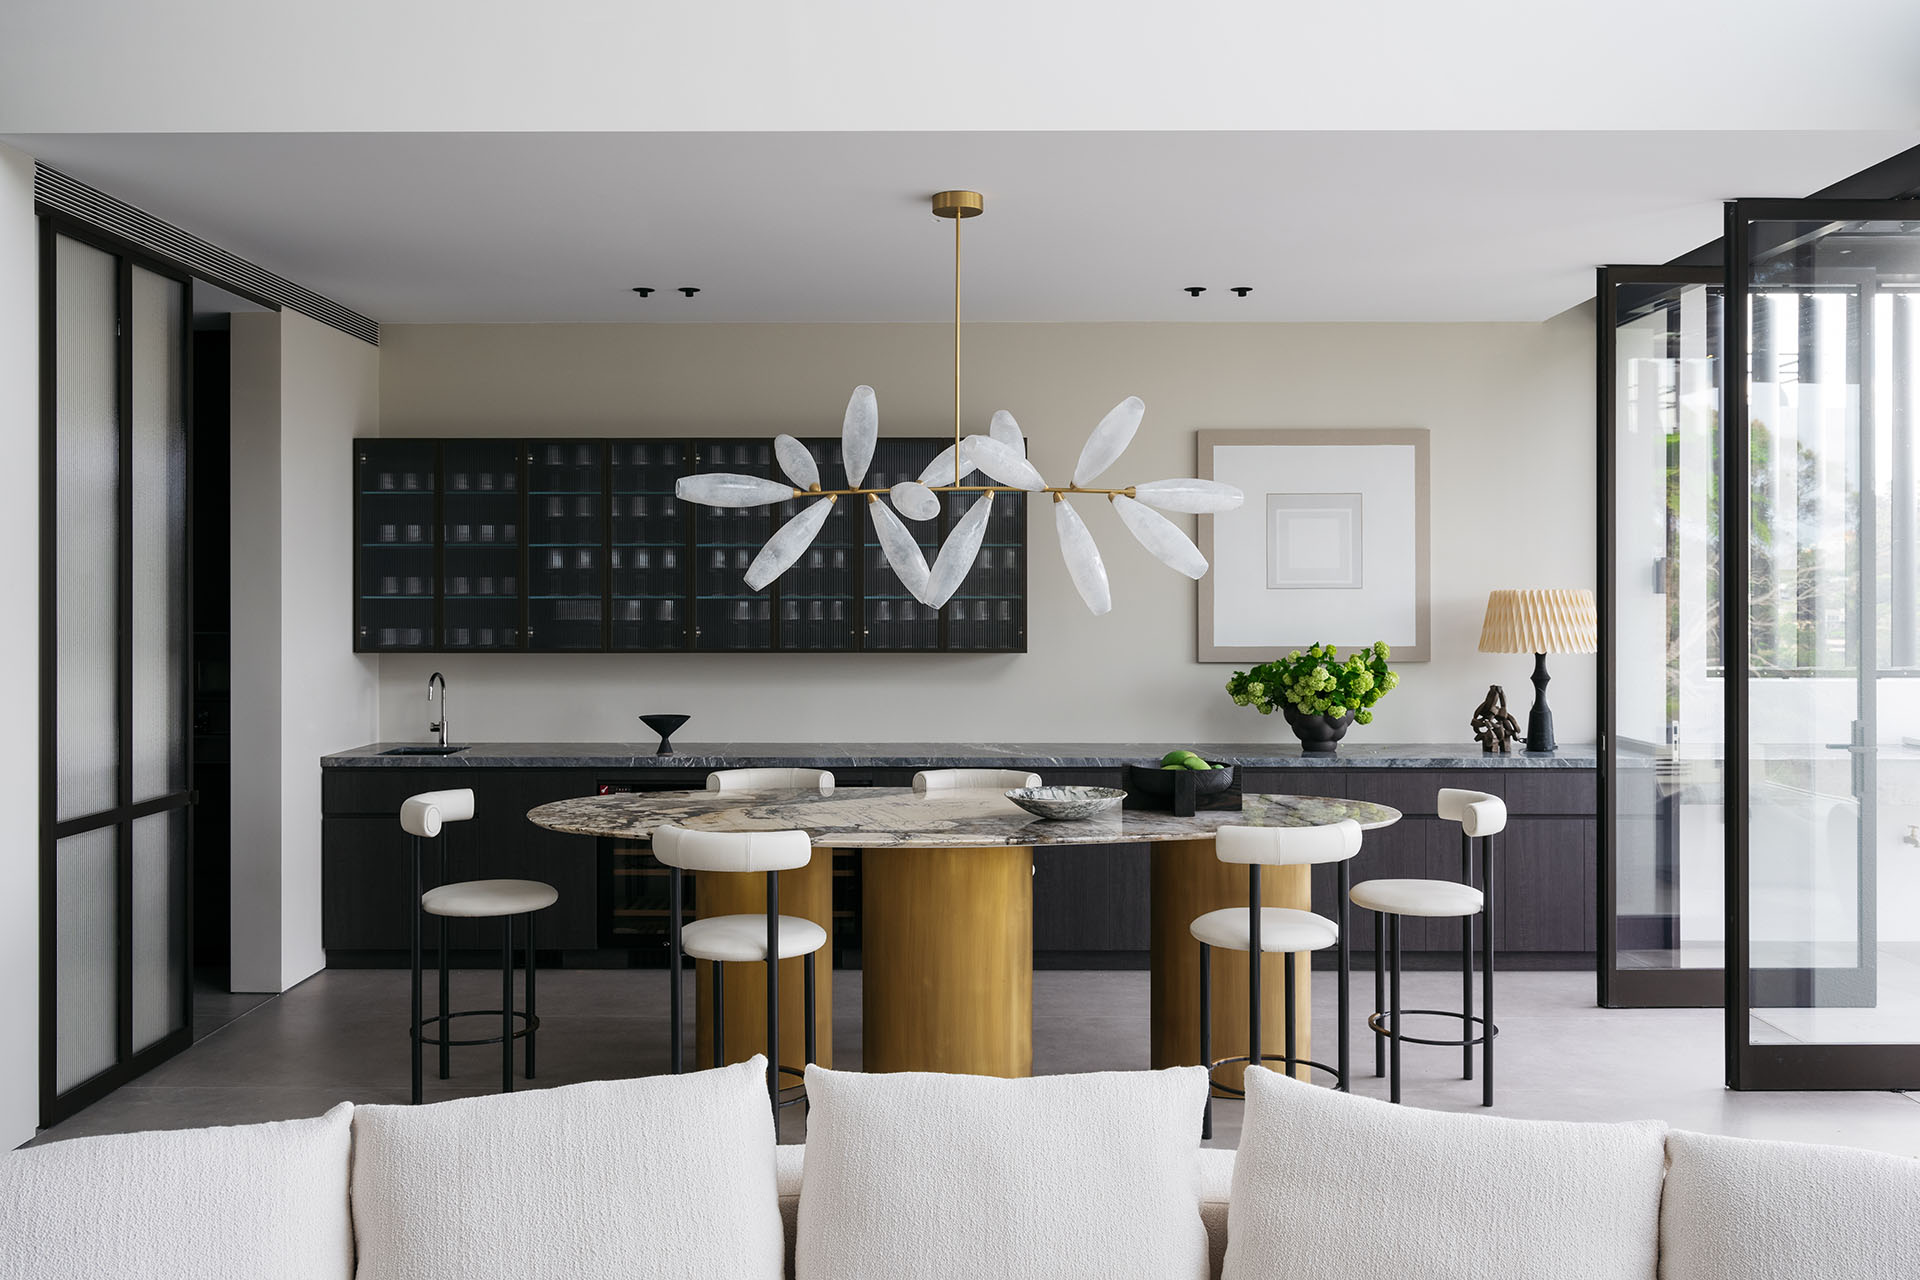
(423, 749)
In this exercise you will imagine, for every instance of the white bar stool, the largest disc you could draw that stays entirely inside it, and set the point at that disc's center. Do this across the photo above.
(973, 780)
(725, 780)
(1481, 817)
(1259, 930)
(725, 940)
(422, 817)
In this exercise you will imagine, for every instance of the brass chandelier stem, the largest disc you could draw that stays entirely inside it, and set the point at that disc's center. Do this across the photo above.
(956, 350)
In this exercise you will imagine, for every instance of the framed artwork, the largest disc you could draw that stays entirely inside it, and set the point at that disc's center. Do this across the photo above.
(1330, 545)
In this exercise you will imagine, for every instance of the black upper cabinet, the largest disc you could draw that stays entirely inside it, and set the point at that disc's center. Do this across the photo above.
(582, 546)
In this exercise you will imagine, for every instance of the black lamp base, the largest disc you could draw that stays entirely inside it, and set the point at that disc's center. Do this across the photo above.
(1540, 719)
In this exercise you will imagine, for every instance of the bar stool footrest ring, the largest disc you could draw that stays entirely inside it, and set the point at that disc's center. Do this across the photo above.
(527, 1023)
(1378, 1022)
(1218, 1090)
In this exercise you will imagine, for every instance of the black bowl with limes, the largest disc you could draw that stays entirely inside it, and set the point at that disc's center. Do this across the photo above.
(1176, 789)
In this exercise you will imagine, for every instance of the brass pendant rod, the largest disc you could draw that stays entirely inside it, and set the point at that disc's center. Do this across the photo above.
(956, 350)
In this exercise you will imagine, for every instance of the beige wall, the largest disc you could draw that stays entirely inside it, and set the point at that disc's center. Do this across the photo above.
(301, 393)
(1510, 407)
(20, 655)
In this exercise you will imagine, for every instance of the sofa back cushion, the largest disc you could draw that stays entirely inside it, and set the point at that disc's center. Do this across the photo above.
(669, 1176)
(1736, 1209)
(915, 1176)
(234, 1203)
(1335, 1186)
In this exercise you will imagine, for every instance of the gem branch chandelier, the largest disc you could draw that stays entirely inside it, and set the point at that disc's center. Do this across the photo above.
(1000, 455)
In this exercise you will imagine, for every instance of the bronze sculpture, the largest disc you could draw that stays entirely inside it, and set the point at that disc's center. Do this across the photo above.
(1493, 727)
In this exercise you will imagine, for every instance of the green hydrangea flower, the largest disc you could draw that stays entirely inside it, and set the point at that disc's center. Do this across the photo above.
(1317, 681)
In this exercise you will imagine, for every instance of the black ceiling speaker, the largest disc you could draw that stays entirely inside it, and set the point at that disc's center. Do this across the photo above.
(1195, 289)
(643, 290)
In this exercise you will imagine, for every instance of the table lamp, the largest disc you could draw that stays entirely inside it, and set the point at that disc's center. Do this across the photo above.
(1540, 622)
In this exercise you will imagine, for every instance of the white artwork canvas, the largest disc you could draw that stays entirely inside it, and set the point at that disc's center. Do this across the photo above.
(1333, 549)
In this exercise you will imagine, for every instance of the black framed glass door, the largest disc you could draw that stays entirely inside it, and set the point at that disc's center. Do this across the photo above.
(1662, 866)
(1823, 686)
(115, 643)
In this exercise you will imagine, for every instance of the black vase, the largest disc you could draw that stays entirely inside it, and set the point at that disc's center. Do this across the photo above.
(1318, 734)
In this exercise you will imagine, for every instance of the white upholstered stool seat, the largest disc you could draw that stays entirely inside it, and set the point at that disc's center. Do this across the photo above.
(934, 780)
(730, 939)
(485, 899)
(1434, 898)
(1281, 929)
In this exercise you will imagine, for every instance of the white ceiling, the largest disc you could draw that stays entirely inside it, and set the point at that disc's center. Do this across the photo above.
(834, 227)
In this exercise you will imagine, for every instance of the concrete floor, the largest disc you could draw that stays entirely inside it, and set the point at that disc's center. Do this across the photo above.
(341, 1035)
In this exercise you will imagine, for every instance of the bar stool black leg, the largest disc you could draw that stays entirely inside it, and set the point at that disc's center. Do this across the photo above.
(773, 996)
(675, 1046)
(446, 1032)
(1466, 962)
(719, 1012)
(1346, 967)
(1379, 990)
(416, 971)
(532, 1021)
(1393, 1006)
(813, 1054)
(1291, 1047)
(506, 1004)
(1486, 999)
(1254, 968)
(1206, 1035)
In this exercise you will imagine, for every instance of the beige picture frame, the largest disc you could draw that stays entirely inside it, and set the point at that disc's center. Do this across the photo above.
(1404, 591)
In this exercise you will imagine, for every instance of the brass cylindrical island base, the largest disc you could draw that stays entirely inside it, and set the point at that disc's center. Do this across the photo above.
(1188, 882)
(808, 893)
(947, 960)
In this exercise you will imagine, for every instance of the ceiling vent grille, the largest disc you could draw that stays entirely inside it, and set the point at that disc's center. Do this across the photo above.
(61, 194)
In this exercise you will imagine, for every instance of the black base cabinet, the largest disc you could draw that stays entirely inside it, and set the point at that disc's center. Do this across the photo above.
(1091, 903)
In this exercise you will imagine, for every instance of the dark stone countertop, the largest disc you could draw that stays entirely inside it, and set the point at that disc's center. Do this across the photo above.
(702, 756)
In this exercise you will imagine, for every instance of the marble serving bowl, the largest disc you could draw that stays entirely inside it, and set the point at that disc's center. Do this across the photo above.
(1067, 803)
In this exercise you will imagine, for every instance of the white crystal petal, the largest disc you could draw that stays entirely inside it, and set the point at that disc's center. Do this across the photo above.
(858, 435)
(903, 553)
(1196, 497)
(940, 470)
(1159, 535)
(963, 545)
(1109, 440)
(796, 462)
(724, 489)
(1084, 566)
(785, 546)
(915, 500)
(1003, 462)
(1004, 429)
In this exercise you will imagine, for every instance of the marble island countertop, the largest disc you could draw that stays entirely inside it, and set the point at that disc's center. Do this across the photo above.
(1037, 756)
(897, 818)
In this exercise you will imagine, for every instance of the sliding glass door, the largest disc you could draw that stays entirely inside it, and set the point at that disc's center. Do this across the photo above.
(116, 982)
(1823, 677)
(1662, 915)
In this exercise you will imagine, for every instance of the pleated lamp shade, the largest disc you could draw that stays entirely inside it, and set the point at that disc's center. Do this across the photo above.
(1554, 620)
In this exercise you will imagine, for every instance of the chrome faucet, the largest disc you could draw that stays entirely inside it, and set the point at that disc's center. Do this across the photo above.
(440, 726)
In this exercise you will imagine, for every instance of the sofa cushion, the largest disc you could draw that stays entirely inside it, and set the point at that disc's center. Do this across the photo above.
(669, 1176)
(243, 1201)
(916, 1176)
(1332, 1186)
(1736, 1209)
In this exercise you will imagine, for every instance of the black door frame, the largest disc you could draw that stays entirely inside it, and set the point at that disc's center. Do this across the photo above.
(54, 1104)
(1785, 1066)
(1627, 988)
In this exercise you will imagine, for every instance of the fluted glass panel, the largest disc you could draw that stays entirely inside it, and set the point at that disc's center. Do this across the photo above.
(957, 556)
(785, 546)
(87, 531)
(858, 434)
(159, 542)
(1109, 440)
(1159, 535)
(87, 957)
(725, 489)
(796, 462)
(1196, 497)
(1084, 565)
(159, 925)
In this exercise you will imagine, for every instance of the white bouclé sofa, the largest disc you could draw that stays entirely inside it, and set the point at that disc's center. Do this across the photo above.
(924, 1177)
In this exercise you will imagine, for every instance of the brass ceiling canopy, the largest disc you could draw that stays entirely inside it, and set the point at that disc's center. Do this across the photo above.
(959, 204)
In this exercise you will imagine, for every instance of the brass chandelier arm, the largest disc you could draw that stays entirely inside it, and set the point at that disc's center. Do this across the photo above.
(1057, 490)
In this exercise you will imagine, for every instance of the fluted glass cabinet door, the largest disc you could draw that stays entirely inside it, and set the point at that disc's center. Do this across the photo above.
(116, 661)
